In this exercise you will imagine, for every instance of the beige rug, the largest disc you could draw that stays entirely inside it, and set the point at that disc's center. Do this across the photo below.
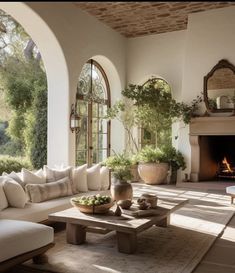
(176, 249)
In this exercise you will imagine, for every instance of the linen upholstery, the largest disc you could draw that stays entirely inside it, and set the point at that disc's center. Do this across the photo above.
(29, 177)
(104, 177)
(19, 237)
(54, 174)
(93, 178)
(14, 192)
(38, 212)
(16, 176)
(3, 198)
(42, 192)
(80, 179)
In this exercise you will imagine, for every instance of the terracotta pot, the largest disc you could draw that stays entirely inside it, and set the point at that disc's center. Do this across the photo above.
(121, 190)
(153, 173)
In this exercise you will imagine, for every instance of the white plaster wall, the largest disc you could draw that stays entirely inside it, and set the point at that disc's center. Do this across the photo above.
(80, 37)
(210, 38)
(161, 55)
(158, 55)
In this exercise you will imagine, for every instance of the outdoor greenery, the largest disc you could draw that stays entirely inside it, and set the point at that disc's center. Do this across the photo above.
(23, 94)
(9, 164)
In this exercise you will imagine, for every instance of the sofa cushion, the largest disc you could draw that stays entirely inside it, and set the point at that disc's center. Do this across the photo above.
(16, 176)
(80, 179)
(93, 178)
(19, 237)
(54, 174)
(104, 177)
(42, 192)
(38, 212)
(15, 194)
(29, 177)
(3, 198)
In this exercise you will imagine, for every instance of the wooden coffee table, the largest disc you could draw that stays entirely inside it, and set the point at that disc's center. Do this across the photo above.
(127, 227)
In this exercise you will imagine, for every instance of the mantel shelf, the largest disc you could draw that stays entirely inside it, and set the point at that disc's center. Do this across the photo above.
(212, 126)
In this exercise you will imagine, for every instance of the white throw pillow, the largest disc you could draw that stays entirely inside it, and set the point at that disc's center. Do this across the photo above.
(104, 178)
(80, 179)
(42, 192)
(54, 174)
(29, 177)
(3, 198)
(93, 178)
(15, 194)
(16, 176)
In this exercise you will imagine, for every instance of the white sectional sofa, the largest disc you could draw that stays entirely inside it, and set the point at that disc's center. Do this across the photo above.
(26, 200)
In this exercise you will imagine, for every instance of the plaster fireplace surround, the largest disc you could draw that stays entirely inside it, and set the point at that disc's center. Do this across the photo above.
(212, 140)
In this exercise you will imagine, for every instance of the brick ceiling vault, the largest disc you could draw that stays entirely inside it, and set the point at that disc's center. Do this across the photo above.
(133, 19)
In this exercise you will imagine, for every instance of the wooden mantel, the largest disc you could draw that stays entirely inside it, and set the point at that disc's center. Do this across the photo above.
(212, 126)
(206, 126)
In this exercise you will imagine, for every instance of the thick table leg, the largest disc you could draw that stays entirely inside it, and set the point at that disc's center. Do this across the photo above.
(76, 234)
(40, 259)
(164, 222)
(127, 242)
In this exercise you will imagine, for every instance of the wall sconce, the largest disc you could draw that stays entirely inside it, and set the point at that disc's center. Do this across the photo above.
(74, 120)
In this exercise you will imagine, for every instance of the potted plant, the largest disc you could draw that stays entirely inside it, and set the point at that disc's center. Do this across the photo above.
(175, 159)
(152, 168)
(120, 167)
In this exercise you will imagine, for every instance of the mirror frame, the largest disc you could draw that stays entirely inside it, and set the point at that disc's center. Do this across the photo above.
(221, 64)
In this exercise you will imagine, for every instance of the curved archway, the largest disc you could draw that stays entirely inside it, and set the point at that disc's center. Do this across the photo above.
(164, 135)
(117, 140)
(57, 79)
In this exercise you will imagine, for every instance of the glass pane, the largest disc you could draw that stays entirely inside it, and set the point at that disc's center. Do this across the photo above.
(103, 126)
(84, 82)
(81, 158)
(99, 155)
(95, 112)
(95, 125)
(82, 108)
(82, 142)
(102, 110)
(98, 84)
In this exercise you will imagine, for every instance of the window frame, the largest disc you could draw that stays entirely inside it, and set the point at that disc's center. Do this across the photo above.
(90, 105)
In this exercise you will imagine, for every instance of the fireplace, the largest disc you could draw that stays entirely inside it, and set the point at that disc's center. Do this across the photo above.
(212, 142)
(217, 158)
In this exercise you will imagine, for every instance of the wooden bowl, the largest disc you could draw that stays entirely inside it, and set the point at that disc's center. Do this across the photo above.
(93, 209)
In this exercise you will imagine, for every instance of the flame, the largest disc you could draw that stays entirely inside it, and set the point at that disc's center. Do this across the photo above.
(227, 165)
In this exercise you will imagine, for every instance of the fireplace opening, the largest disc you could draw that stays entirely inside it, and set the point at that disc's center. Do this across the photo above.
(217, 158)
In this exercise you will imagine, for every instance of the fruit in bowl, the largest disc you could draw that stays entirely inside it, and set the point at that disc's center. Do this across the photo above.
(92, 203)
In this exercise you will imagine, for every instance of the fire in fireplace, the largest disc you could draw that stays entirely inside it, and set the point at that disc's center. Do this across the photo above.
(217, 158)
(226, 170)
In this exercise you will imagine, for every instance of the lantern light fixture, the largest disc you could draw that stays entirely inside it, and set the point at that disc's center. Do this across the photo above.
(74, 120)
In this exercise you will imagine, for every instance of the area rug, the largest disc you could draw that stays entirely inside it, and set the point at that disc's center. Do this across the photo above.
(176, 249)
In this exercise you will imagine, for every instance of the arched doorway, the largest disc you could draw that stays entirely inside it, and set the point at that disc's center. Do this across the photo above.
(92, 101)
(57, 79)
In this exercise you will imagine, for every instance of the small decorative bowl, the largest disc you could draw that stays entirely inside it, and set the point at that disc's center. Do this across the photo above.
(92, 209)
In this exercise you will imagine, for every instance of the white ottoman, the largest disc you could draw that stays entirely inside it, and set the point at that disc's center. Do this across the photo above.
(22, 240)
(231, 191)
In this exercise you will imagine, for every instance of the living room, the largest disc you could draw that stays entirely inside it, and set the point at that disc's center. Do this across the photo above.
(181, 43)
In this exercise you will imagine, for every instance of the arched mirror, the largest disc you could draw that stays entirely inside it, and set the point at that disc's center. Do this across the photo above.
(219, 88)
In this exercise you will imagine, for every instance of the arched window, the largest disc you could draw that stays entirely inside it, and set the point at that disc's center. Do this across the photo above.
(162, 137)
(93, 98)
